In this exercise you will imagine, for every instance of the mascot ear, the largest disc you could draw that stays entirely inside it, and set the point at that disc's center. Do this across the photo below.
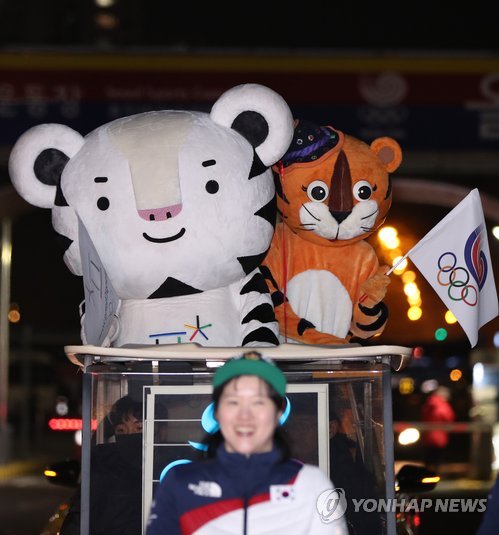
(38, 159)
(260, 115)
(388, 152)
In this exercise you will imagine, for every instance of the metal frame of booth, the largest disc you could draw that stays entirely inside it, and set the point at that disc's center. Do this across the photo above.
(358, 378)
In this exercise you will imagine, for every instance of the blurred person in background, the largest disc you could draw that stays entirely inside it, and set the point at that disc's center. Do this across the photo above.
(348, 472)
(116, 476)
(436, 409)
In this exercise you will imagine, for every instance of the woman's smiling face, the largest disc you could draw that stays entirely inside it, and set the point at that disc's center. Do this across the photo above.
(247, 416)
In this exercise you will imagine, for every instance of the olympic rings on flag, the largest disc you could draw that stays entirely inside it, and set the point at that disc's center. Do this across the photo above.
(456, 279)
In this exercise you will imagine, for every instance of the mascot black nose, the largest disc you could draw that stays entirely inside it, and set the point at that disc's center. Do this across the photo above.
(339, 216)
(340, 192)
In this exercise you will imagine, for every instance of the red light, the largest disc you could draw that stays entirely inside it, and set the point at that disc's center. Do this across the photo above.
(69, 424)
(416, 520)
(417, 352)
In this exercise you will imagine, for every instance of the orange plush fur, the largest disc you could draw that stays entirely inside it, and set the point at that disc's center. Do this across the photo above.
(325, 279)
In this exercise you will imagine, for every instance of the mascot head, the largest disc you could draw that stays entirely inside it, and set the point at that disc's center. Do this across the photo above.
(174, 202)
(333, 189)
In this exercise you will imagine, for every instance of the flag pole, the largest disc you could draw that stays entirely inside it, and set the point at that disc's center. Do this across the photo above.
(390, 271)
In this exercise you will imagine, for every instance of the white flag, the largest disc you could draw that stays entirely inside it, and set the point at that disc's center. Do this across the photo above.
(454, 258)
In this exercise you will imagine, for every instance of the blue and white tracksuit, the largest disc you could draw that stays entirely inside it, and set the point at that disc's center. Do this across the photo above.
(237, 495)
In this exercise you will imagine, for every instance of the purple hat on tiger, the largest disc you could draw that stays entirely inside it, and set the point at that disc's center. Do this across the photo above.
(310, 142)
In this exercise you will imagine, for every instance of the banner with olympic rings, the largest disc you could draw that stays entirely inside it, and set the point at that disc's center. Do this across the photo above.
(454, 258)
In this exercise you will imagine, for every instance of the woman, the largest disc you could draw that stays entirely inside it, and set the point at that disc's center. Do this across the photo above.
(436, 409)
(248, 485)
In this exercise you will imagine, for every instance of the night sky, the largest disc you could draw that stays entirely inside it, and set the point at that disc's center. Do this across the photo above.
(321, 24)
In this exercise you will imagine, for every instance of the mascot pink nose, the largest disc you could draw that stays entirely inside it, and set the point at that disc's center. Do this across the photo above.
(161, 214)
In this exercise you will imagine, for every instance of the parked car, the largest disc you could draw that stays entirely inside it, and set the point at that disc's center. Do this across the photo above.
(410, 481)
(65, 473)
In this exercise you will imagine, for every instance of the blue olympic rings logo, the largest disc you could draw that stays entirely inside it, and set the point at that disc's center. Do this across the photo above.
(456, 280)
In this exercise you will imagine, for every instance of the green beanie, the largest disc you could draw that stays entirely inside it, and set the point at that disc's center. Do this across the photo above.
(251, 363)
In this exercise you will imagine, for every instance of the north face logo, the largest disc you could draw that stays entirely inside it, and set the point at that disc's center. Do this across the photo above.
(206, 488)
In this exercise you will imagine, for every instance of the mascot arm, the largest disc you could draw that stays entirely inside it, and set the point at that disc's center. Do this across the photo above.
(258, 321)
(370, 313)
(302, 330)
(373, 290)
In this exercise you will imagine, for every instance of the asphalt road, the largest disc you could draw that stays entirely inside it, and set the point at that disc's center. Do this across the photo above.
(26, 504)
(456, 522)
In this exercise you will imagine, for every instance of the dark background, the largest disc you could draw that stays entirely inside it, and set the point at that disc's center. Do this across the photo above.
(443, 53)
(321, 25)
(58, 56)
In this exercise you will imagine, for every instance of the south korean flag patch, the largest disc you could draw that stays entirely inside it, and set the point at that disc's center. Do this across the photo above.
(282, 493)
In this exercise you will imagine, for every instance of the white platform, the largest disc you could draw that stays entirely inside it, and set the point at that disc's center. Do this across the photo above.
(398, 356)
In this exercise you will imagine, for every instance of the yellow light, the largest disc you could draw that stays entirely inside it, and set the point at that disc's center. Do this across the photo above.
(432, 479)
(394, 253)
(402, 266)
(495, 232)
(408, 276)
(411, 289)
(387, 234)
(393, 243)
(6, 254)
(388, 238)
(406, 385)
(49, 473)
(408, 436)
(415, 300)
(450, 318)
(455, 374)
(14, 316)
(414, 313)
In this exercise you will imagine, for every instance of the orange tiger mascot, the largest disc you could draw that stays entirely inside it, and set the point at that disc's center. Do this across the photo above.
(333, 191)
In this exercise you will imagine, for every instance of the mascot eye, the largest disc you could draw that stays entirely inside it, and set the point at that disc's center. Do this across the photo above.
(212, 186)
(102, 203)
(362, 191)
(317, 191)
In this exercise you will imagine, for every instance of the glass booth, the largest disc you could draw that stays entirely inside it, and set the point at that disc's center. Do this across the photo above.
(339, 418)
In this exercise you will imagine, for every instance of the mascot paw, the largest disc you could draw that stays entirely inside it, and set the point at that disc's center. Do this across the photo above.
(373, 290)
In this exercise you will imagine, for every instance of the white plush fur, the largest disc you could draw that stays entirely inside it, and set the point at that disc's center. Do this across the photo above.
(124, 177)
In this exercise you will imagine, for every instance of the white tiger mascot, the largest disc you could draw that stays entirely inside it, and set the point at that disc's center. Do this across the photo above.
(179, 209)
